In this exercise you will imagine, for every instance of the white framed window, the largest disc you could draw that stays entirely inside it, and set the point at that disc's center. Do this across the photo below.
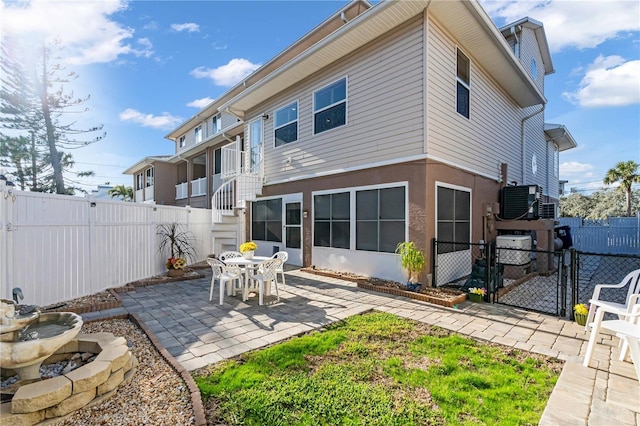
(198, 134)
(182, 142)
(266, 220)
(330, 106)
(216, 124)
(139, 181)
(534, 69)
(372, 218)
(149, 176)
(463, 86)
(285, 124)
(453, 220)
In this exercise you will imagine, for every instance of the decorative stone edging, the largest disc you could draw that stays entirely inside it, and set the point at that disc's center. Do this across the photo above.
(56, 398)
(449, 303)
(363, 284)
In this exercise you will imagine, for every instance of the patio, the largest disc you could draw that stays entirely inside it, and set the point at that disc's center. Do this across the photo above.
(197, 332)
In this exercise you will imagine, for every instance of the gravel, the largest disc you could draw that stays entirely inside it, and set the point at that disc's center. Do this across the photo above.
(156, 395)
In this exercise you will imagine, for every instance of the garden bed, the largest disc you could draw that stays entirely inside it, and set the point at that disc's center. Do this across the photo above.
(438, 296)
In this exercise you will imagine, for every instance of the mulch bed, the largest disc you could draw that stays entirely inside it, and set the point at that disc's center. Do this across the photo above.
(438, 296)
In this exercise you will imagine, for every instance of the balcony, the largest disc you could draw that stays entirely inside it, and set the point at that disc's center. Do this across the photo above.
(148, 193)
(199, 187)
(182, 191)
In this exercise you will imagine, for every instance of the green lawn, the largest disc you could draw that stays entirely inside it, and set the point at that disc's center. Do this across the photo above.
(379, 369)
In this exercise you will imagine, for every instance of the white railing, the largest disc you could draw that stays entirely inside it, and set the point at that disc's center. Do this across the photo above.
(230, 161)
(138, 196)
(223, 201)
(182, 190)
(59, 247)
(148, 193)
(199, 187)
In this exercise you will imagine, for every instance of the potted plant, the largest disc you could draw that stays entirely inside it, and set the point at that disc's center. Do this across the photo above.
(580, 311)
(412, 261)
(247, 249)
(477, 294)
(181, 246)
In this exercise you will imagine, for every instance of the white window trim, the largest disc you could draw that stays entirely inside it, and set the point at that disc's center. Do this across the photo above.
(464, 83)
(275, 110)
(352, 211)
(346, 104)
(218, 119)
(197, 134)
(182, 141)
(458, 188)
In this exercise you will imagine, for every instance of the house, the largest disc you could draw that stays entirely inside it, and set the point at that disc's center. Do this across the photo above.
(399, 121)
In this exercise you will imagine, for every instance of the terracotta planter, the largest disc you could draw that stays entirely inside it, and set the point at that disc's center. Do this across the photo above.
(175, 272)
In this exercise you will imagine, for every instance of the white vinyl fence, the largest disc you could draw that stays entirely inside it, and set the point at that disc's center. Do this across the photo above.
(57, 247)
(615, 235)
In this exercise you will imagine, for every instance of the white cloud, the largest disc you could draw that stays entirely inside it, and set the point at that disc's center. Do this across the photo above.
(165, 121)
(608, 81)
(151, 26)
(84, 28)
(579, 170)
(200, 103)
(187, 26)
(227, 75)
(579, 24)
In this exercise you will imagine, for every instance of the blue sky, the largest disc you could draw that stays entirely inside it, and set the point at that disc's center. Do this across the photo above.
(149, 65)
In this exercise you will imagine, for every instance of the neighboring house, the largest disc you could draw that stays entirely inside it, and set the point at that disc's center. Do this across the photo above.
(102, 192)
(399, 121)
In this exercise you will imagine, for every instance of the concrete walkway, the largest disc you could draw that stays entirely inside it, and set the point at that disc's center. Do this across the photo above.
(198, 332)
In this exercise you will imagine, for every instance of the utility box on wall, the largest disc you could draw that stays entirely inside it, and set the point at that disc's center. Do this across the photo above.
(520, 256)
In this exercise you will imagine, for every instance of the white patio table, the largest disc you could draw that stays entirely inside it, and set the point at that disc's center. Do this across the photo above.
(243, 263)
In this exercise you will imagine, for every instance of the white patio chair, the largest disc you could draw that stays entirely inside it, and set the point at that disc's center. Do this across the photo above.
(627, 329)
(267, 273)
(232, 268)
(284, 256)
(225, 277)
(632, 280)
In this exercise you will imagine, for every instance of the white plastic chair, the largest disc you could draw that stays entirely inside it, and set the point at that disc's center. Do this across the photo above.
(632, 280)
(224, 276)
(627, 329)
(284, 256)
(267, 273)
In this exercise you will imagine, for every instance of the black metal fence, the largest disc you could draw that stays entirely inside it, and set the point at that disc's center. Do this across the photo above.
(535, 280)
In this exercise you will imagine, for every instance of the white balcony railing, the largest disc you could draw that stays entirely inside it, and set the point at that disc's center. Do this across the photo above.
(230, 160)
(182, 190)
(139, 196)
(199, 187)
(148, 193)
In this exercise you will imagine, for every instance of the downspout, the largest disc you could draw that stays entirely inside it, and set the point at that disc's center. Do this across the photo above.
(533, 114)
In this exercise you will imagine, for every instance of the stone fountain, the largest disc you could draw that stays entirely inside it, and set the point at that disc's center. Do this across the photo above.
(27, 339)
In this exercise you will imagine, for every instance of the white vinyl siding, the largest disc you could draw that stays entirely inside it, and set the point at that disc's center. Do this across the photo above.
(385, 117)
(529, 50)
(492, 133)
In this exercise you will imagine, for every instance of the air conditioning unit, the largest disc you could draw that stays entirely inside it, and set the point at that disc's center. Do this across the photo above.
(522, 253)
(549, 211)
(521, 202)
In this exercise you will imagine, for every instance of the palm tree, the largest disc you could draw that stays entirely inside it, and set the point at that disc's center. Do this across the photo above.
(627, 173)
(126, 192)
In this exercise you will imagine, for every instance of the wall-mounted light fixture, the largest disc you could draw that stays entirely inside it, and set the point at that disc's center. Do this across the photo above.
(265, 116)
(92, 204)
(305, 214)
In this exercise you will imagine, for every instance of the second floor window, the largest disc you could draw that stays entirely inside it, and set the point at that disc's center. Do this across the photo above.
(462, 84)
(149, 174)
(286, 124)
(330, 106)
(216, 124)
(182, 142)
(198, 134)
(139, 181)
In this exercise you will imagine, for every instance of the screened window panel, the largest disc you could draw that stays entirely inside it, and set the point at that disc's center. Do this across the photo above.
(274, 231)
(392, 203)
(462, 104)
(445, 204)
(258, 231)
(462, 67)
(293, 214)
(331, 94)
(330, 118)
(461, 230)
(286, 134)
(340, 206)
(322, 234)
(367, 205)
(258, 211)
(340, 234)
(367, 236)
(274, 209)
(293, 238)
(391, 233)
(322, 207)
(462, 210)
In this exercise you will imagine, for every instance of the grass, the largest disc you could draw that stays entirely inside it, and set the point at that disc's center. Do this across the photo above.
(379, 369)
